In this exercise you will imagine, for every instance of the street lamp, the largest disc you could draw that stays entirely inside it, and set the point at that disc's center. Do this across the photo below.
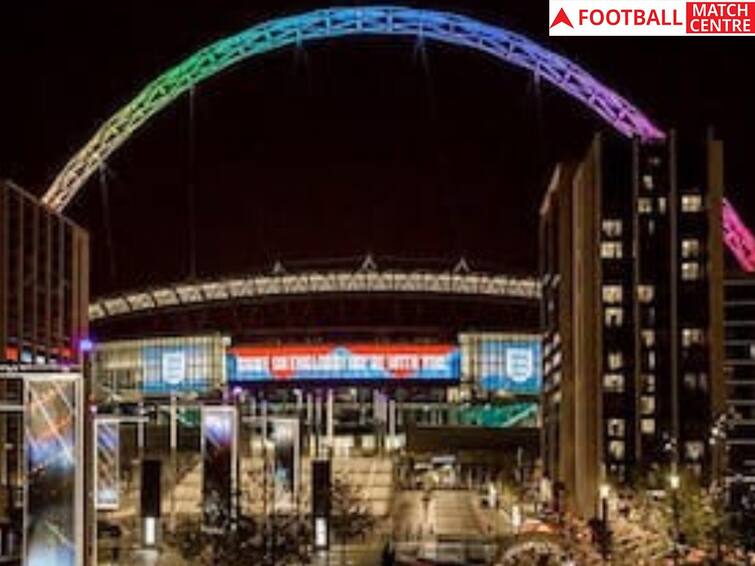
(604, 491)
(674, 482)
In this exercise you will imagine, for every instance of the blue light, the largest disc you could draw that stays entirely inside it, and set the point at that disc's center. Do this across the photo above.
(395, 21)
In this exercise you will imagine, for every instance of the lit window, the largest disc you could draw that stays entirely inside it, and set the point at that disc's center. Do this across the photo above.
(616, 428)
(647, 426)
(690, 248)
(648, 338)
(696, 381)
(647, 405)
(648, 382)
(615, 360)
(644, 205)
(651, 359)
(556, 378)
(662, 205)
(752, 351)
(645, 293)
(612, 294)
(692, 203)
(694, 450)
(647, 182)
(690, 381)
(614, 317)
(612, 228)
(691, 271)
(611, 250)
(692, 336)
(617, 449)
(613, 382)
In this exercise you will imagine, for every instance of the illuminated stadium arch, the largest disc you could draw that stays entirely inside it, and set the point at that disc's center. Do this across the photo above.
(339, 22)
(218, 291)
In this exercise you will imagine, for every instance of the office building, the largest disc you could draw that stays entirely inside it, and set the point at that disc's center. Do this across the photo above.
(631, 263)
(44, 278)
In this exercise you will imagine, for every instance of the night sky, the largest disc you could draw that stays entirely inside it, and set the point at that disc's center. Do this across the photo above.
(416, 153)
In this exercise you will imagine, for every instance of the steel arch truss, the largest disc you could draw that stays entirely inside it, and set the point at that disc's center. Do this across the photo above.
(338, 22)
(738, 238)
(316, 283)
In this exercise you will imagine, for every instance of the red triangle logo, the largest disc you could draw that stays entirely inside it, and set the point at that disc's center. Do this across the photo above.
(562, 18)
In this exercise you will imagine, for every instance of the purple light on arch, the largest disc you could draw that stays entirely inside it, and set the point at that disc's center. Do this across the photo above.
(738, 238)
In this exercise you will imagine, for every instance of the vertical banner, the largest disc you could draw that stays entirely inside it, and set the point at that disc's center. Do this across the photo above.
(321, 507)
(53, 498)
(284, 435)
(219, 454)
(106, 464)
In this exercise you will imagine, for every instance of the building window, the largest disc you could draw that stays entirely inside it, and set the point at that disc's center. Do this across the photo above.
(611, 250)
(648, 383)
(692, 203)
(556, 378)
(648, 338)
(612, 294)
(648, 182)
(692, 337)
(613, 317)
(647, 426)
(694, 450)
(752, 351)
(644, 205)
(696, 381)
(662, 205)
(613, 382)
(647, 405)
(616, 428)
(690, 248)
(691, 271)
(616, 449)
(651, 359)
(615, 360)
(645, 293)
(612, 228)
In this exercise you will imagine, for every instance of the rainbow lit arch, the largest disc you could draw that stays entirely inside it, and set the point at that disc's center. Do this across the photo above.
(339, 22)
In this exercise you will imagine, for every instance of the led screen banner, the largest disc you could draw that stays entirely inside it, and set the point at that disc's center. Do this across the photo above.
(348, 362)
(106, 463)
(53, 502)
(276, 443)
(176, 369)
(283, 434)
(219, 453)
(508, 363)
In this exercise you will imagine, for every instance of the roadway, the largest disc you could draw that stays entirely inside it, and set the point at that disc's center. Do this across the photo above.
(440, 514)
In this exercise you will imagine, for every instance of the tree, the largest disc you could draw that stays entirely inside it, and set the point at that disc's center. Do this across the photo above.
(701, 518)
(350, 517)
(281, 539)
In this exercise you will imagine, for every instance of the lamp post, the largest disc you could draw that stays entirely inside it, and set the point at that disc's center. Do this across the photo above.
(674, 482)
(604, 491)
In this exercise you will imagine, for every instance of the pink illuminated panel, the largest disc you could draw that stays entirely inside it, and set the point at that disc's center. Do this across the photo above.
(738, 238)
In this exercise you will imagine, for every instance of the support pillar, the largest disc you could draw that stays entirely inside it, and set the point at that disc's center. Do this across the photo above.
(392, 443)
(330, 419)
(173, 459)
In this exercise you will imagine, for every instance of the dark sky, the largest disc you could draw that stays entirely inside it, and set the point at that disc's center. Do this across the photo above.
(339, 148)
